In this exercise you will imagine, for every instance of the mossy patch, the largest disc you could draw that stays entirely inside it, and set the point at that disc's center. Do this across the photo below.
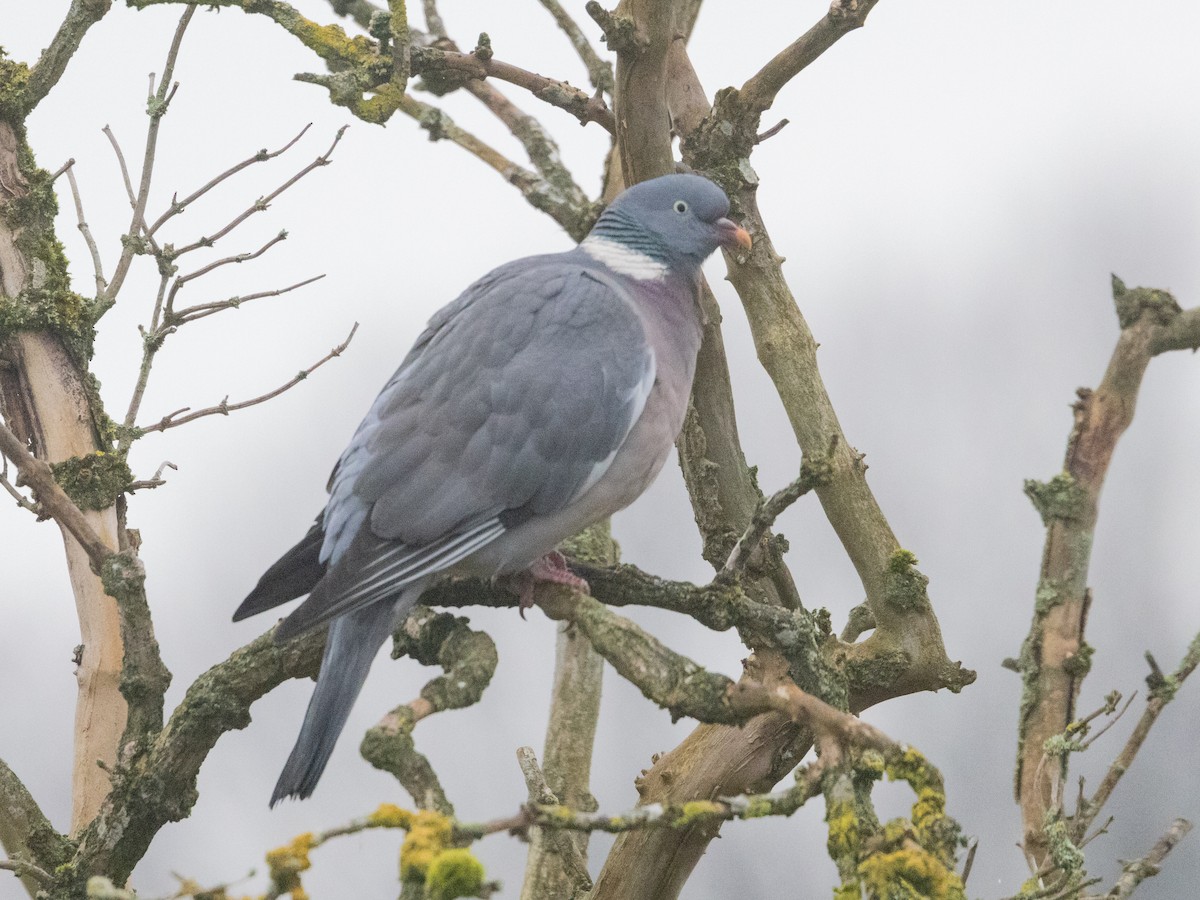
(94, 481)
(454, 873)
(904, 586)
(1059, 498)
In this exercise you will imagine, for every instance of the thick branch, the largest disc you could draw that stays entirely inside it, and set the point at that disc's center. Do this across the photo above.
(25, 832)
(1053, 658)
(161, 787)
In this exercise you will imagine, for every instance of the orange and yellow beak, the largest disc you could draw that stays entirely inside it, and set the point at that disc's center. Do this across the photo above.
(733, 235)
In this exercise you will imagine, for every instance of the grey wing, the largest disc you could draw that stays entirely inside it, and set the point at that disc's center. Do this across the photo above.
(510, 407)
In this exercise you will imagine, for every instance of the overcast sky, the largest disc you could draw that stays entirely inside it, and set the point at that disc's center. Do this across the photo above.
(958, 181)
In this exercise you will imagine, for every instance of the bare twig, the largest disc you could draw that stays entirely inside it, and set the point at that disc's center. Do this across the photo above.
(201, 310)
(1158, 699)
(156, 480)
(23, 869)
(844, 16)
(97, 266)
(535, 778)
(224, 408)
(51, 498)
(969, 863)
(262, 203)
(11, 489)
(1138, 870)
(1152, 322)
(812, 474)
(157, 104)
(169, 317)
(178, 206)
(600, 71)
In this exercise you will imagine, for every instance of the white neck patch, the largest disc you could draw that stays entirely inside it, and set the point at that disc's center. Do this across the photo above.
(624, 260)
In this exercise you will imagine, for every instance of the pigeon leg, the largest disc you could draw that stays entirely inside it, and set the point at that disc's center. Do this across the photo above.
(550, 568)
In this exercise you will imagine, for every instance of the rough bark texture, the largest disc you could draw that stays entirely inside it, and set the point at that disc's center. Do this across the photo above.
(45, 398)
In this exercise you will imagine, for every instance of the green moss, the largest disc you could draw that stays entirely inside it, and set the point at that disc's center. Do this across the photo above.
(389, 815)
(14, 77)
(454, 873)
(1133, 303)
(94, 481)
(757, 808)
(1067, 857)
(1059, 498)
(1080, 664)
(47, 301)
(904, 587)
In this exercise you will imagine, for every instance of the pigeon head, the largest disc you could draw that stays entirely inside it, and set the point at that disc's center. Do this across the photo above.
(675, 221)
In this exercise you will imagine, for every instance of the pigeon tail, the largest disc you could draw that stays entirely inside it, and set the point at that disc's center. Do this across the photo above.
(293, 575)
(351, 647)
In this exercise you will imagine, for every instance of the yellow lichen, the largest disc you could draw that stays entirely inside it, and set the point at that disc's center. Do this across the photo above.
(909, 874)
(428, 835)
(389, 815)
(843, 830)
(698, 809)
(287, 862)
(454, 873)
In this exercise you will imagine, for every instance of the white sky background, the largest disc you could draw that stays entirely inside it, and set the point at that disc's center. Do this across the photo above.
(958, 181)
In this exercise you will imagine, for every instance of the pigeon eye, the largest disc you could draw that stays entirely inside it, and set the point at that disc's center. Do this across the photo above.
(680, 206)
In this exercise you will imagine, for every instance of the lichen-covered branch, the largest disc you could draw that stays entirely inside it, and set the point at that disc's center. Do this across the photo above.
(557, 863)
(1138, 870)
(26, 834)
(160, 785)
(1054, 657)
(469, 660)
(51, 65)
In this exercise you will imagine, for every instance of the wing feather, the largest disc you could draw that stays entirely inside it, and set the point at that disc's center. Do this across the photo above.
(513, 402)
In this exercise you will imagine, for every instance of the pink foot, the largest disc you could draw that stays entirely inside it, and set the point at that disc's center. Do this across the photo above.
(552, 568)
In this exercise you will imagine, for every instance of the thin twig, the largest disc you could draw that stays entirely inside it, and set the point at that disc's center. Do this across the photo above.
(178, 206)
(201, 310)
(1138, 870)
(157, 104)
(970, 861)
(156, 480)
(1157, 700)
(22, 501)
(22, 869)
(97, 266)
(600, 71)
(812, 474)
(169, 310)
(263, 202)
(224, 408)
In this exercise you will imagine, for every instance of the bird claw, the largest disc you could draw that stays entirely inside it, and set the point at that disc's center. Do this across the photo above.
(550, 568)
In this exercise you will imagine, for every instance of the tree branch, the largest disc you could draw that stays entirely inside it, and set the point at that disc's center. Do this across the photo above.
(844, 16)
(1162, 692)
(1054, 657)
(224, 408)
(51, 65)
(1138, 870)
(157, 104)
(600, 71)
(52, 499)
